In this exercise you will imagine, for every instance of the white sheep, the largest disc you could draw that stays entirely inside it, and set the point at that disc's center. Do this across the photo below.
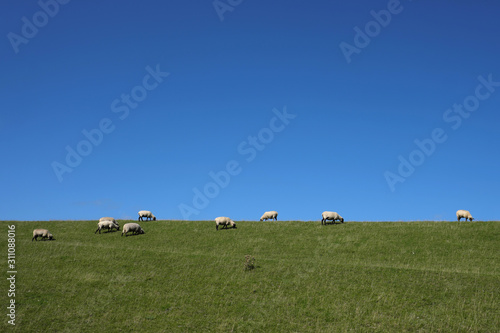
(112, 219)
(225, 222)
(107, 224)
(44, 233)
(132, 227)
(333, 216)
(271, 215)
(147, 214)
(465, 214)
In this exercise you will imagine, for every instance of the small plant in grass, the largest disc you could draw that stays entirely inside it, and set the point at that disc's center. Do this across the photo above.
(249, 263)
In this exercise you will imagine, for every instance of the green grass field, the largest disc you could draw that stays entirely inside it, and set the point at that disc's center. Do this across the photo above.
(188, 277)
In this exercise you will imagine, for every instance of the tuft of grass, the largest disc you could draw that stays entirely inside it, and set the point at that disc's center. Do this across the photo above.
(249, 263)
(185, 277)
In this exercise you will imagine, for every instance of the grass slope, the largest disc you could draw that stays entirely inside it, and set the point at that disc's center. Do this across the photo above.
(188, 277)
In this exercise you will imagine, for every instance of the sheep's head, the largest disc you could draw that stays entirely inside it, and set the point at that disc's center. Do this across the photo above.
(154, 218)
(342, 219)
(471, 218)
(49, 236)
(261, 219)
(141, 231)
(234, 225)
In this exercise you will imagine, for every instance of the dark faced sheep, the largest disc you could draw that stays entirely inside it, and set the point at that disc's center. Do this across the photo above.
(465, 214)
(107, 224)
(332, 216)
(271, 215)
(146, 214)
(44, 233)
(134, 228)
(225, 222)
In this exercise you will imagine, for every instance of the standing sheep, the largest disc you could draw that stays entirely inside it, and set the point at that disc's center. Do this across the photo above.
(44, 233)
(465, 214)
(147, 214)
(107, 218)
(271, 215)
(225, 222)
(333, 216)
(107, 224)
(132, 227)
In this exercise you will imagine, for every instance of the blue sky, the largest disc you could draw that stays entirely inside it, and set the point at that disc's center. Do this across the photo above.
(379, 110)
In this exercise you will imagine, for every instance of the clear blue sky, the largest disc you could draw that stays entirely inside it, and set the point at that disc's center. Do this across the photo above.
(312, 106)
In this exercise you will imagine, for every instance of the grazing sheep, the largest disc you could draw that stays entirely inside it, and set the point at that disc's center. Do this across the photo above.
(465, 214)
(109, 219)
(107, 224)
(132, 227)
(44, 233)
(271, 215)
(225, 222)
(147, 214)
(333, 216)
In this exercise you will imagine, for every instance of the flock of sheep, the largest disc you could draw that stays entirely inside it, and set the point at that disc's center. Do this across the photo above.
(110, 223)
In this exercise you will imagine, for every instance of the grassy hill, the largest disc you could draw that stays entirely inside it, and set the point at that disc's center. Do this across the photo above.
(188, 277)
